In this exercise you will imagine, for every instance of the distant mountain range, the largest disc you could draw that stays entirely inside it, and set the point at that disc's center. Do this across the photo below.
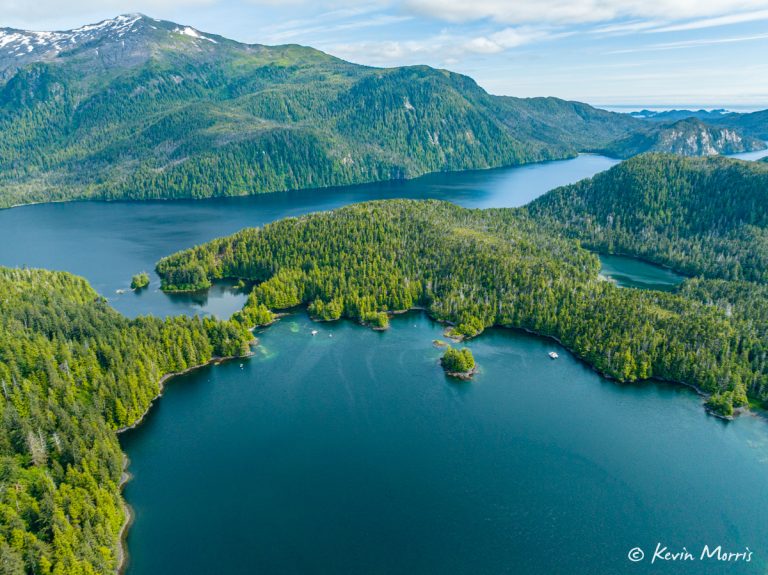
(688, 137)
(753, 124)
(674, 115)
(140, 108)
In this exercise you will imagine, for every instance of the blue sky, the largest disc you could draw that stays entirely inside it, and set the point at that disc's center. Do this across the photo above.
(654, 53)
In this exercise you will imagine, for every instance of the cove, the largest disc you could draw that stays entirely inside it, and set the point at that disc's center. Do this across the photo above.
(351, 452)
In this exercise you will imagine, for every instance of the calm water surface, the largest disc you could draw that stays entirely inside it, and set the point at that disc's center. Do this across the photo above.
(633, 273)
(751, 156)
(354, 454)
(349, 452)
(108, 243)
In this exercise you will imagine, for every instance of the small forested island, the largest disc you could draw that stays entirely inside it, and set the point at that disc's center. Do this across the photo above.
(459, 363)
(72, 372)
(519, 268)
(140, 281)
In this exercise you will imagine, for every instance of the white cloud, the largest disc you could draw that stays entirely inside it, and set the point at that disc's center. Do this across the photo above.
(577, 11)
(297, 31)
(445, 48)
(719, 21)
(627, 27)
(691, 44)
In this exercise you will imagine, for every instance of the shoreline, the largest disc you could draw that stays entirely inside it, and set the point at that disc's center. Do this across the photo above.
(122, 544)
(461, 339)
(122, 549)
(700, 392)
(164, 379)
(102, 200)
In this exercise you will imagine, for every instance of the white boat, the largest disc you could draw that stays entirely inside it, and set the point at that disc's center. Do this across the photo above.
(315, 332)
(553, 355)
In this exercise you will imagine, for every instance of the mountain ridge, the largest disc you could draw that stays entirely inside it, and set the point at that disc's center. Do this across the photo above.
(139, 108)
(685, 137)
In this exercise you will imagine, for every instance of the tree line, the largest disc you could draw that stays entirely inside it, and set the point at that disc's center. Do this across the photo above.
(72, 371)
(475, 269)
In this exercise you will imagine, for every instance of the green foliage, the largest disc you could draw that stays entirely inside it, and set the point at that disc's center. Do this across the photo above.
(376, 319)
(327, 311)
(156, 114)
(190, 279)
(72, 371)
(254, 314)
(140, 281)
(468, 326)
(696, 215)
(721, 404)
(686, 137)
(458, 360)
(479, 268)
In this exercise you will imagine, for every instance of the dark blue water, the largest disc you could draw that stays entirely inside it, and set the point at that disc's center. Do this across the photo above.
(349, 452)
(355, 454)
(108, 243)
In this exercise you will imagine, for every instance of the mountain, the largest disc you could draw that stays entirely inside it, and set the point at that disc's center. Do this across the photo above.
(701, 216)
(138, 108)
(688, 137)
(754, 124)
(675, 115)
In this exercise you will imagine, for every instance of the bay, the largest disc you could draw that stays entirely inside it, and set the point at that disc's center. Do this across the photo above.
(351, 452)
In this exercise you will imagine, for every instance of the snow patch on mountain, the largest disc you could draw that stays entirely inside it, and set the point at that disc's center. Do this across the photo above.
(187, 31)
(21, 42)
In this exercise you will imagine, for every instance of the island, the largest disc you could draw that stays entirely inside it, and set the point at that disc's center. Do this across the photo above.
(459, 363)
(140, 281)
(525, 269)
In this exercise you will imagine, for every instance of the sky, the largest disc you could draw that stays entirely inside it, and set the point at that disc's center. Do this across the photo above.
(610, 53)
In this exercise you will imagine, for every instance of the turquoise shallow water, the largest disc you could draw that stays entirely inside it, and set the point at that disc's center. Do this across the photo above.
(633, 273)
(349, 452)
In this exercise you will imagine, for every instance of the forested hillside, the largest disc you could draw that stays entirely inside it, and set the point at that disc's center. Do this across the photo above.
(72, 371)
(696, 215)
(475, 269)
(139, 108)
(754, 124)
(687, 137)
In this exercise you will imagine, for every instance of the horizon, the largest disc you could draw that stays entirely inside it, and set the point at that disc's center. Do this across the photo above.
(620, 56)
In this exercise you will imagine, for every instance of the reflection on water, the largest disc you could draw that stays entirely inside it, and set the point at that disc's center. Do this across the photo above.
(634, 273)
(223, 298)
(109, 242)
